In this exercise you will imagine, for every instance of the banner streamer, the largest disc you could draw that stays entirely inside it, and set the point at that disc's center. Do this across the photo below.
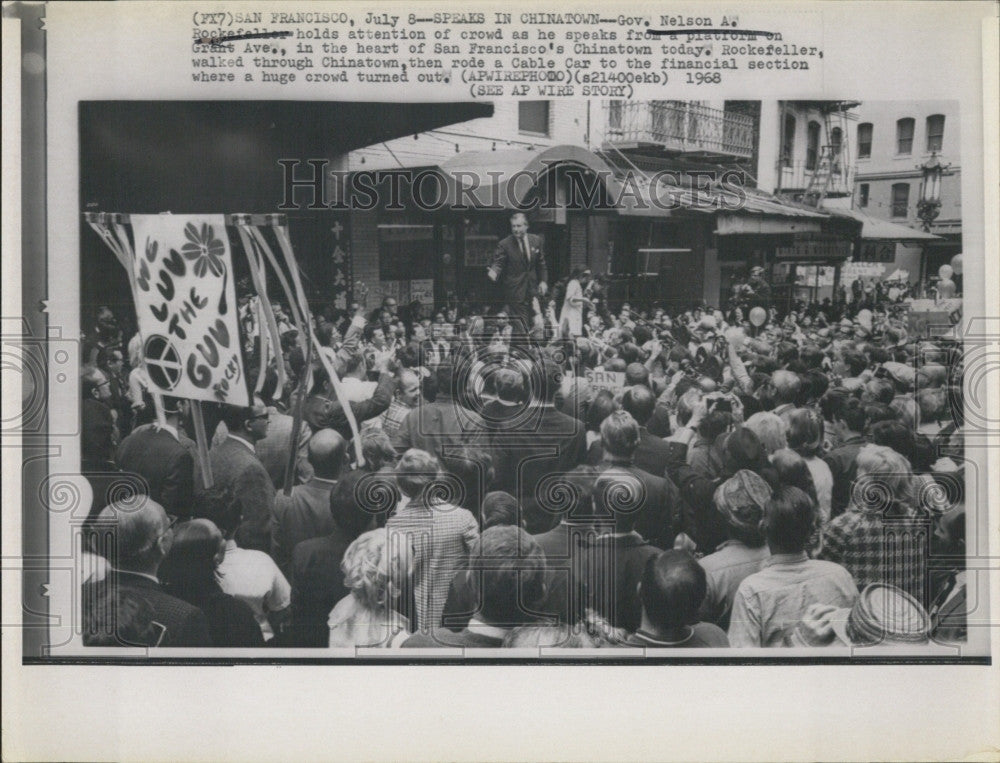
(299, 298)
(184, 293)
(122, 250)
(259, 279)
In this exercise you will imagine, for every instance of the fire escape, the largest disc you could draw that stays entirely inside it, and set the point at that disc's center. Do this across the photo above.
(830, 172)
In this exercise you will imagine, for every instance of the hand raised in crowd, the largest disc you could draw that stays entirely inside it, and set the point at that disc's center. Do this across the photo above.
(817, 624)
(735, 337)
(385, 361)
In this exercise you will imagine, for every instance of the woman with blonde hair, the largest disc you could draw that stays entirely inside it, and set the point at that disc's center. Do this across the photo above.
(770, 430)
(373, 571)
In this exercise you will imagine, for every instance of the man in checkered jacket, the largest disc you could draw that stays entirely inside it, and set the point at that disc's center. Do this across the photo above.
(881, 538)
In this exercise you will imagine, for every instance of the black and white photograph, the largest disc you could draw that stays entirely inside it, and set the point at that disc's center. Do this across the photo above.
(690, 379)
(475, 382)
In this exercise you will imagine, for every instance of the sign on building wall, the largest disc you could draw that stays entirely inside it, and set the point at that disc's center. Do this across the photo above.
(814, 247)
(852, 271)
(422, 291)
(878, 251)
(341, 283)
(929, 318)
(186, 307)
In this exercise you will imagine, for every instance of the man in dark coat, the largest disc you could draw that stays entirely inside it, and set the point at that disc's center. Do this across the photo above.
(305, 513)
(322, 409)
(235, 466)
(519, 267)
(444, 426)
(316, 578)
(157, 454)
(135, 539)
(653, 453)
(658, 508)
(535, 445)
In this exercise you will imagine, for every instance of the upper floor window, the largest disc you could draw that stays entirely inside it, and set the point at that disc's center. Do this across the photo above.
(615, 114)
(935, 132)
(533, 116)
(812, 145)
(863, 194)
(836, 142)
(788, 145)
(900, 199)
(864, 140)
(904, 136)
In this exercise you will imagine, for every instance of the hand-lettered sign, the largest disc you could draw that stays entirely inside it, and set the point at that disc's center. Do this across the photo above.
(612, 381)
(186, 306)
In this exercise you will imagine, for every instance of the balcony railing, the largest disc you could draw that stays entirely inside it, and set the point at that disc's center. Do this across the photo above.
(679, 126)
(796, 176)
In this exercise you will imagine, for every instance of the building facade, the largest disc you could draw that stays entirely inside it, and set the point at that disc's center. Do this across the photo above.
(440, 256)
(895, 140)
(788, 156)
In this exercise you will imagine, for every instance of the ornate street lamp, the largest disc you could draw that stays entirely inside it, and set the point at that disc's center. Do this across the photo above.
(929, 205)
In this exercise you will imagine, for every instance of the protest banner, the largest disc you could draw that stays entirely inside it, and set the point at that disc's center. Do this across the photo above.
(186, 307)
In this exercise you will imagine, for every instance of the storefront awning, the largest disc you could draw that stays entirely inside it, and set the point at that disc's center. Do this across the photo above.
(759, 213)
(873, 229)
(740, 223)
(511, 179)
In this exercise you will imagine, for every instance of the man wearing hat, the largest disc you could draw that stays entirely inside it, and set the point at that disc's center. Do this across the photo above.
(740, 500)
(883, 615)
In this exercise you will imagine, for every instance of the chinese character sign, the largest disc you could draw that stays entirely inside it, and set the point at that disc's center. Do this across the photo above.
(186, 306)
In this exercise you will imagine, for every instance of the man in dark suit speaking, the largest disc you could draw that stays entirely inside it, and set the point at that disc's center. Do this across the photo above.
(519, 267)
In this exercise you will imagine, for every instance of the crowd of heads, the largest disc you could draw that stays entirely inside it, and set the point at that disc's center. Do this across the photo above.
(774, 436)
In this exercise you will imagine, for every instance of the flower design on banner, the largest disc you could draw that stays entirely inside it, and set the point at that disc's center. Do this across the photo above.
(204, 249)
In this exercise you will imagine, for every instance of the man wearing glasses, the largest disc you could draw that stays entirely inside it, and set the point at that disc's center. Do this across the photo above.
(135, 540)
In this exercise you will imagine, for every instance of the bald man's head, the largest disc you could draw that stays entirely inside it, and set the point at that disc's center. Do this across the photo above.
(327, 451)
(137, 533)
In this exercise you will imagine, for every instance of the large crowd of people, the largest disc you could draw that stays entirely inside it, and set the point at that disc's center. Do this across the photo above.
(604, 477)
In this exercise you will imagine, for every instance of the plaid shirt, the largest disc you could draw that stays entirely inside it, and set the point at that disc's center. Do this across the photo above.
(393, 417)
(882, 546)
(440, 539)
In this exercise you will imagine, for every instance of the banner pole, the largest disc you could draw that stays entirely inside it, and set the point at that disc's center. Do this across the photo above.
(201, 440)
(293, 446)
